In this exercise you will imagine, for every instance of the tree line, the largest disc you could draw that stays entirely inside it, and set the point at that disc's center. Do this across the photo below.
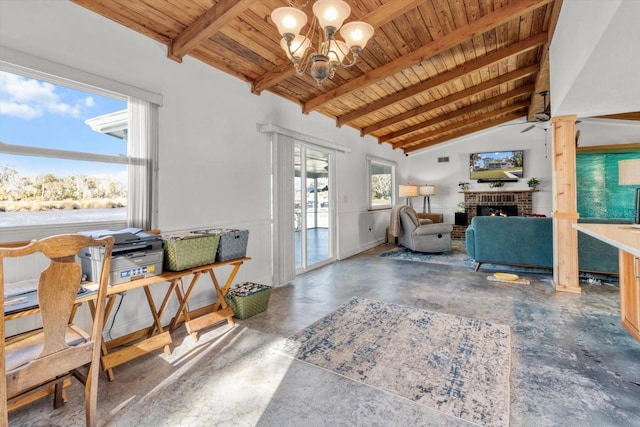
(15, 187)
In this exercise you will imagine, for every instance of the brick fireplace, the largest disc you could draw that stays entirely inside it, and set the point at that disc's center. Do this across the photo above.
(519, 201)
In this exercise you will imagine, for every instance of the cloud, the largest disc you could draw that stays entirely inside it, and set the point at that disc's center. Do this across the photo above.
(28, 98)
(18, 110)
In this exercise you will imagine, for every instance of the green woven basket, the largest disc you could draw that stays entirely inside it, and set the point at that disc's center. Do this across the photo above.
(250, 305)
(188, 251)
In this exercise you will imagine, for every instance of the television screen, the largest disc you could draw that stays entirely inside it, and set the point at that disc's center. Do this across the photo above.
(496, 166)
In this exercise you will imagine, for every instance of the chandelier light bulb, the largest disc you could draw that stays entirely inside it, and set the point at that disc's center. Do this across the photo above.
(289, 21)
(298, 47)
(356, 34)
(336, 51)
(331, 13)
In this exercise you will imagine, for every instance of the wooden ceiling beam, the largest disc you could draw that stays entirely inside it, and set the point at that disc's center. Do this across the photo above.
(463, 124)
(458, 96)
(464, 132)
(622, 116)
(207, 25)
(385, 13)
(507, 96)
(444, 78)
(543, 79)
(491, 20)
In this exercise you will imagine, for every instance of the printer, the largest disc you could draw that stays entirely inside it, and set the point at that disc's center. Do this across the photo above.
(135, 255)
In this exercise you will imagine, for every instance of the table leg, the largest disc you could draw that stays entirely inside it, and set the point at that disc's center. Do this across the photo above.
(156, 317)
(210, 315)
(111, 299)
(182, 309)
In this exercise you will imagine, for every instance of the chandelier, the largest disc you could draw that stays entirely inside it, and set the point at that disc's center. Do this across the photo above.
(331, 52)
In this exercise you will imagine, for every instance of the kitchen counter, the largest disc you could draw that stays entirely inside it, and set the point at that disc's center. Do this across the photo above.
(627, 239)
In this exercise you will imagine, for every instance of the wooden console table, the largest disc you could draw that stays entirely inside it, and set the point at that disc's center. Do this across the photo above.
(627, 240)
(120, 350)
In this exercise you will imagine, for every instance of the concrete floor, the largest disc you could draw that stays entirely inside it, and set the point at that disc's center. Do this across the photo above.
(572, 363)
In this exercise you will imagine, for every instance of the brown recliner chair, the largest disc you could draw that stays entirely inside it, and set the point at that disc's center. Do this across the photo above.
(430, 237)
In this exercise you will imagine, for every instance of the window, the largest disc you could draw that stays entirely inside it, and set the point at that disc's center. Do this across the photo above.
(73, 156)
(381, 183)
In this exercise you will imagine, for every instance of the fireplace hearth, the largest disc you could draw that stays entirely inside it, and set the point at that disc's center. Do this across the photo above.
(491, 210)
(515, 202)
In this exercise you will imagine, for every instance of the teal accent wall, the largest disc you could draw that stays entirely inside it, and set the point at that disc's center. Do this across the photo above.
(599, 195)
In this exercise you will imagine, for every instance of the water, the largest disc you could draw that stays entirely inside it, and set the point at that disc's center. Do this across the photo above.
(61, 216)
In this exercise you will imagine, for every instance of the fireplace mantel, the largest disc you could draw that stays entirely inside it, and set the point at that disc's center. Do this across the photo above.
(498, 191)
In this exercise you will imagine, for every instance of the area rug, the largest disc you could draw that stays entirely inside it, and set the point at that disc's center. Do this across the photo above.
(457, 257)
(458, 366)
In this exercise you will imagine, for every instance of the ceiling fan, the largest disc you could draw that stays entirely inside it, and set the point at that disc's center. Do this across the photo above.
(541, 116)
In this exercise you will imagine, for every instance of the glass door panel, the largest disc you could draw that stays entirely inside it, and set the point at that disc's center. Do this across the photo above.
(312, 213)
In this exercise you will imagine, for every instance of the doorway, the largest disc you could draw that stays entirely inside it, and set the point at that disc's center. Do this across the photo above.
(313, 207)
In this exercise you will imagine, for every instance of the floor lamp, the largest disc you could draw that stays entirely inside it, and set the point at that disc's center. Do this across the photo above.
(407, 191)
(426, 191)
(629, 174)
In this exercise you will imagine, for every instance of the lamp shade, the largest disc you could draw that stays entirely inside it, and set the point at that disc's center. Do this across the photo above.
(629, 172)
(427, 190)
(299, 46)
(356, 34)
(331, 13)
(336, 51)
(289, 20)
(408, 190)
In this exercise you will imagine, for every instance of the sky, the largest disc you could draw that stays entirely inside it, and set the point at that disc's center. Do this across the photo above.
(37, 113)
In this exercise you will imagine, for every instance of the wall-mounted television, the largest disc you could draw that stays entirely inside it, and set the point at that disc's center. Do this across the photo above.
(496, 166)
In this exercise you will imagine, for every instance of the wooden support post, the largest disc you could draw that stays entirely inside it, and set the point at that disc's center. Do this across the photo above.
(565, 205)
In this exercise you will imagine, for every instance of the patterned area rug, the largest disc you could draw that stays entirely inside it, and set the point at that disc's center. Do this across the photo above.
(456, 365)
(457, 257)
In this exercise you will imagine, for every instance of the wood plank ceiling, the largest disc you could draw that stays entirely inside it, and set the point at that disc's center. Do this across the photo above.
(434, 70)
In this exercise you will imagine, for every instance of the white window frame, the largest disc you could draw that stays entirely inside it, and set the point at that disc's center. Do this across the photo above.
(23, 64)
(370, 162)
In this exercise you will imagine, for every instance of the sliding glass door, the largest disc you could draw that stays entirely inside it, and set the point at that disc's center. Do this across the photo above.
(313, 218)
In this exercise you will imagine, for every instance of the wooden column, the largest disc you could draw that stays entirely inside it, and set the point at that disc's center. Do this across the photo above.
(565, 210)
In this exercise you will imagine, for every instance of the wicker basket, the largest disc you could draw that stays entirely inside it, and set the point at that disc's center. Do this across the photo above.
(184, 251)
(248, 305)
(232, 245)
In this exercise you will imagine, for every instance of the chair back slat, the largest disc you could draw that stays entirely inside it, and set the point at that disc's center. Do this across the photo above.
(57, 290)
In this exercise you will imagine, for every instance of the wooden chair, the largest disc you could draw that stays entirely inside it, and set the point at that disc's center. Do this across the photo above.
(39, 359)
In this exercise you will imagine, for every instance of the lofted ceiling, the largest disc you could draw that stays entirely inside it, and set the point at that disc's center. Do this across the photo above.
(434, 70)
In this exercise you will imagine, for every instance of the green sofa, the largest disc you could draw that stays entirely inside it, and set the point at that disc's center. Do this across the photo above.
(528, 241)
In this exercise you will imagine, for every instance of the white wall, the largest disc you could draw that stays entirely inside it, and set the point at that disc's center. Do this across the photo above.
(425, 169)
(214, 164)
(594, 58)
